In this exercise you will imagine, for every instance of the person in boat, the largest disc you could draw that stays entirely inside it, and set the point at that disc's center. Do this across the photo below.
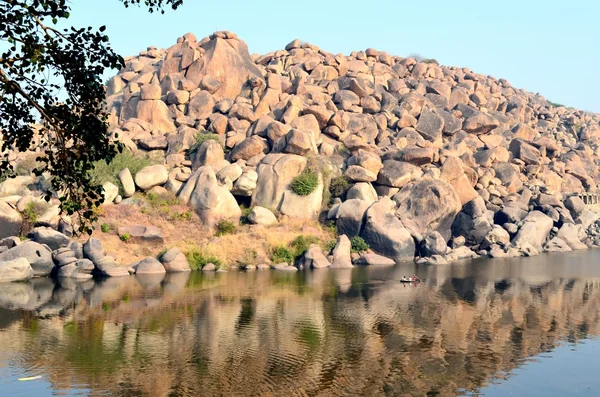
(415, 278)
(404, 278)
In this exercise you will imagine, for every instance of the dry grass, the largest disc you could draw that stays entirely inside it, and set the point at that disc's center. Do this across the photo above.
(231, 249)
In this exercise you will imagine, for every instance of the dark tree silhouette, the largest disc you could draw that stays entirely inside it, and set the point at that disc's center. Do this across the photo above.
(37, 61)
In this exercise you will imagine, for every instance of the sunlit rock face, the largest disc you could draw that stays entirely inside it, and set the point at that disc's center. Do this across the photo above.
(354, 330)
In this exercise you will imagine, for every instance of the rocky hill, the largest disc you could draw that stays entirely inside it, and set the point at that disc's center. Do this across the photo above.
(421, 160)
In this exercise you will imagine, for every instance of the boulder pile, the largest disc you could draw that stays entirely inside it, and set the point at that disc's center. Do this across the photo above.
(439, 163)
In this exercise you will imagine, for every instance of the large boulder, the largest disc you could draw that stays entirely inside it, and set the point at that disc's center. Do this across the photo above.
(79, 270)
(210, 152)
(385, 234)
(149, 266)
(433, 244)
(398, 173)
(535, 230)
(350, 217)
(93, 250)
(15, 270)
(211, 201)
(313, 258)
(275, 173)
(38, 256)
(49, 237)
(227, 60)
(127, 182)
(139, 233)
(175, 261)
(10, 220)
(572, 235)
(428, 205)
(150, 176)
(298, 206)
(261, 216)
(342, 257)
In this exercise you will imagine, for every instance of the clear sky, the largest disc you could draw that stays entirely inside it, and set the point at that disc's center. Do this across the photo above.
(551, 47)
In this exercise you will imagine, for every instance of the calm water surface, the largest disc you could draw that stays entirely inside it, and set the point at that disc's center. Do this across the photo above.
(509, 327)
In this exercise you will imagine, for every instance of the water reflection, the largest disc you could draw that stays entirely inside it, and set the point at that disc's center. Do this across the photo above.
(325, 332)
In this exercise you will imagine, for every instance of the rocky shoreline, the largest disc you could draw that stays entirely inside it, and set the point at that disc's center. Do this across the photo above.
(420, 161)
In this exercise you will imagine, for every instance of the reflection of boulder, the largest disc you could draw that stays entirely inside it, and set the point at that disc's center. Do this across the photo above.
(175, 283)
(150, 281)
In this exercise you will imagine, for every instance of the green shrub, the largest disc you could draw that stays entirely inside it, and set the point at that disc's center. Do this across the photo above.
(198, 259)
(305, 183)
(105, 228)
(329, 245)
(431, 60)
(33, 210)
(158, 200)
(339, 186)
(301, 243)
(161, 253)
(201, 138)
(182, 216)
(245, 212)
(108, 172)
(125, 237)
(281, 254)
(359, 244)
(556, 105)
(224, 227)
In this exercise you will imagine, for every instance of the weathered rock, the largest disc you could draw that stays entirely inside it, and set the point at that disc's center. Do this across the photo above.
(93, 250)
(575, 205)
(535, 230)
(175, 261)
(38, 256)
(362, 191)
(210, 152)
(430, 125)
(498, 235)
(433, 244)
(428, 205)
(341, 253)
(261, 216)
(385, 234)
(110, 192)
(49, 237)
(138, 233)
(572, 234)
(150, 176)
(227, 61)
(350, 217)
(284, 267)
(79, 270)
(398, 173)
(212, 202)
(313, 258)
(10, 220)
(371, 259)
(127, 182)
(149, 266)
(275, 173)
(15, 270)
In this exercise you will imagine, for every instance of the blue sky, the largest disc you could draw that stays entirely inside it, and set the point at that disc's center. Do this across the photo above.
(550, 47)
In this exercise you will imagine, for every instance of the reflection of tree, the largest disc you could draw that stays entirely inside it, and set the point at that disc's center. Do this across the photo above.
(315, 333)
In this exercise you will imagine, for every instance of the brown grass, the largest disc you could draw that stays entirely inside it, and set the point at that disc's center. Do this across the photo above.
(184, 234)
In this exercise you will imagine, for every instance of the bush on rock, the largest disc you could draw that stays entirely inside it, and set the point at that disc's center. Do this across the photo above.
(305, 183)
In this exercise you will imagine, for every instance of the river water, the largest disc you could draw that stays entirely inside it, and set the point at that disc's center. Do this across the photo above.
(502, 327)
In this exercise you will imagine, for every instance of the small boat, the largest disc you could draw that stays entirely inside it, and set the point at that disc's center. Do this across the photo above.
(413, 279)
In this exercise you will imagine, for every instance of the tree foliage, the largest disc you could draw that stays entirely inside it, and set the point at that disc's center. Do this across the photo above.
(40, 62)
